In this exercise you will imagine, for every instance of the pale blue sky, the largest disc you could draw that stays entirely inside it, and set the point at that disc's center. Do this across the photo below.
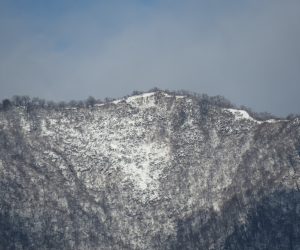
(247, 51)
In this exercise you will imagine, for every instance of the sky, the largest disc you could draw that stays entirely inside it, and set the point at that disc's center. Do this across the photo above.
(247, 51)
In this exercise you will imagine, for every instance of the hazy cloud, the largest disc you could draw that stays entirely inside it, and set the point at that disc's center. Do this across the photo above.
(248, 52)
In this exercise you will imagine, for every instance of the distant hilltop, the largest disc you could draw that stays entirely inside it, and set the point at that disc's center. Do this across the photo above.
(153, 170)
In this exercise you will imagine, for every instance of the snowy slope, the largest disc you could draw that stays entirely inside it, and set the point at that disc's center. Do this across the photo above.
(150, 171)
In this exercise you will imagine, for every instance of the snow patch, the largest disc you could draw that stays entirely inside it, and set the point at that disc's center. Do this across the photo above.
(146, 172)
(241, 115)
(25, 124)
(99, 104)
(44, 130)
(244, 115)
(117, 101)
(113, 145)
(216, 206)
(137, 98)
(274, 121)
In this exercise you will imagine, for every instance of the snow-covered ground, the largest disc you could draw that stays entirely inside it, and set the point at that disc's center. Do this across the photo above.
(240, 114)
(142, 97)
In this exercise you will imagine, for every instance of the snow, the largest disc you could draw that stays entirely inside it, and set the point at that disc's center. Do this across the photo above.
(99, 104)
(24, 124)
(142, 97)
(117, 101)
(145, 173)
(45, 131)
(104, 144)
(135, 97)
(244, 115)
(275, 121)
(70, 108)
(241, 115)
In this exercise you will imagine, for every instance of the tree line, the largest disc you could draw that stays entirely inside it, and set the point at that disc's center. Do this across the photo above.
(203, 100)
(32, 103)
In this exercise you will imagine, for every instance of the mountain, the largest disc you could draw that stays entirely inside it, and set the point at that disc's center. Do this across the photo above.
(151, 171)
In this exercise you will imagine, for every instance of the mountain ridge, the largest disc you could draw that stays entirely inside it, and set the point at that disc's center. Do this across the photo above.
(35, 102)
(150, 171)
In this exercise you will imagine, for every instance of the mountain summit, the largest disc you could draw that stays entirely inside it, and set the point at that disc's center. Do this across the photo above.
(150, 171)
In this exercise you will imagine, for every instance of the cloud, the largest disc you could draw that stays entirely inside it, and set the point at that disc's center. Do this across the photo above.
(249, 52)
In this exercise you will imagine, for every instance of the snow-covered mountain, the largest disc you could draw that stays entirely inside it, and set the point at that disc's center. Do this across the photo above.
(150, 171)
